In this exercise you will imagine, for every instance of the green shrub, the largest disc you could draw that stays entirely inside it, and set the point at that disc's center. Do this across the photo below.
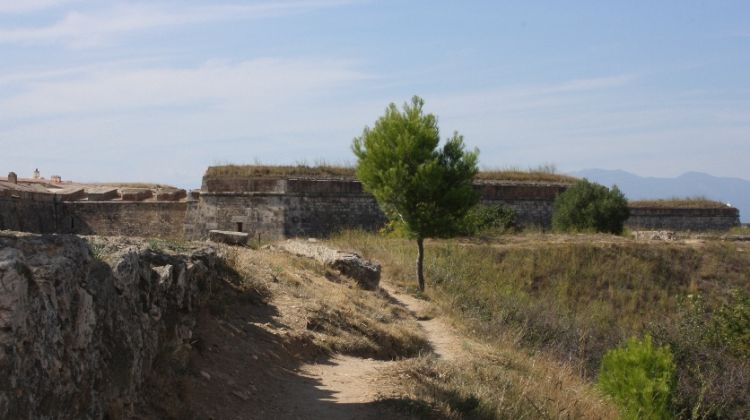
(488, 218)
(714, 370)
(588, 206)
(732, 325)
(640, 378)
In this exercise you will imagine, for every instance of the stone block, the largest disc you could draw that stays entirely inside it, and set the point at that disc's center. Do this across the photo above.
(135, 194)
(102, 194)
(170, 195)
(227, 237)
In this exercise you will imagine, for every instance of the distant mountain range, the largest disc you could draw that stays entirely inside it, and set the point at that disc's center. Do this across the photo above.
(735, 191)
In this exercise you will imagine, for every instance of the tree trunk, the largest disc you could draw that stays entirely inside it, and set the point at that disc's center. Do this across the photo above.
(420, 259)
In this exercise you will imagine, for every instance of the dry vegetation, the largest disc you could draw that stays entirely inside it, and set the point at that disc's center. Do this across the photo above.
(572, 298)
(541, 174)
(546, 173)
(496, 382)
(685, 203)
(331, 310)
(322, 170)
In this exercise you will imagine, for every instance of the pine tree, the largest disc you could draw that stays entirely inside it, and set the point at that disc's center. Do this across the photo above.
(426, 189)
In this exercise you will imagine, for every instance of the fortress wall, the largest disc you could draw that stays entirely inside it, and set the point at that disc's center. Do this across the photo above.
(28, 211)
(146, 219)
(47, 213)
(276, 216)
(321, 215)
(533, 202)
(257, 213)
(696, 219)
(277, 208)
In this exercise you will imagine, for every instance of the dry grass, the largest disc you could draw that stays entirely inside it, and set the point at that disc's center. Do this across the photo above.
(573, 297)
(498, 382)
(260, 171)
(337, 315)
(545, 173)
(685, 203)
(348, 172)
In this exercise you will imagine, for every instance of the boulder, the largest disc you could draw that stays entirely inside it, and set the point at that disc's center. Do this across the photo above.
(365, 273)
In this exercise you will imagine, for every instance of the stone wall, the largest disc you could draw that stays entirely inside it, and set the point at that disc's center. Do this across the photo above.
(278, 208)
(28, 211)
(695, 219)
(533, 202)
(145, 219)
(280, 215)
(80, 331)
(48, 213)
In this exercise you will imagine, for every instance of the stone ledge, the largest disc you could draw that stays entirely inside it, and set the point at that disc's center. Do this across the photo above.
(227, 237)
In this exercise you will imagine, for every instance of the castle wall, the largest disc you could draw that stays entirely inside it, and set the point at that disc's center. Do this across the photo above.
(28, 211)
(48, 213)
(278, 208)
(695, 219)
(532, 202)
(160, 219)
(304, 208)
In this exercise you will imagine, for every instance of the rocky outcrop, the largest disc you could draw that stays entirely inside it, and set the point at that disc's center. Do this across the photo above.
(82, 322)
(365, 273)
(654, 235)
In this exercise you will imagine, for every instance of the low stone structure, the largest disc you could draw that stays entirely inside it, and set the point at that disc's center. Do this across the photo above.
(134, 194)
(229, 238)
(684, 219)
(364, 272)
(102, 194)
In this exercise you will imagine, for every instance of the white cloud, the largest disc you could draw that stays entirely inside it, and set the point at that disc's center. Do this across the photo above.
(91, 28)
(252, 84)
(26, 6)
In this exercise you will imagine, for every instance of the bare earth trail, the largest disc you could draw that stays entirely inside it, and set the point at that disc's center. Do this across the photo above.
(247, 370)
(352, 380)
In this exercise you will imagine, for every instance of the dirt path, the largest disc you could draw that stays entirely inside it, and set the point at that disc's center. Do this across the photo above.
(351, 380)
(246, 370)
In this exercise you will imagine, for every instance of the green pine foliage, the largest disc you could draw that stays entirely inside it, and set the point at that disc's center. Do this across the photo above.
(489, 219)
(426, 188)
(640, 378)
(590, 207)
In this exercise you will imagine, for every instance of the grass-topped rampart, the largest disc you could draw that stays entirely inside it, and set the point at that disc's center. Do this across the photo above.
(680, 203)
(539, 175)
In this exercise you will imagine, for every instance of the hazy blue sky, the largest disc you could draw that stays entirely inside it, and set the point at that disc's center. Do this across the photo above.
(158, 90)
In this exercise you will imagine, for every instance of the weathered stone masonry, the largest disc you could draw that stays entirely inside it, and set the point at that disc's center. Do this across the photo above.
(274, 208)
(53, 213)
(695, 219)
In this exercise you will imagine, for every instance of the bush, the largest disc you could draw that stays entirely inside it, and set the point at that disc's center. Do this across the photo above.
(710, 345)
(588, 206)
(488, 218)
(640, 378)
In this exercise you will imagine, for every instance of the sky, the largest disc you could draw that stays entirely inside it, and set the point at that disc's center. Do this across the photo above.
(159, 90)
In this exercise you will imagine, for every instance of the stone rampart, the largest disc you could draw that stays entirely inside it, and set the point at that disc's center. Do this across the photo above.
(48, 213)
(275, 208)
(157, 219)
(695, 219)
